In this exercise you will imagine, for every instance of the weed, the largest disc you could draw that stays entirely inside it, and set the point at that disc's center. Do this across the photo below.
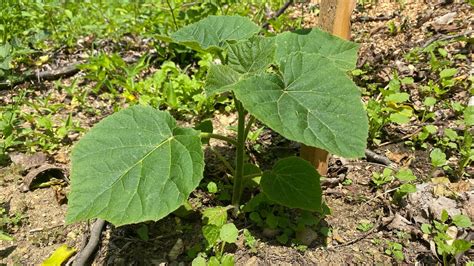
(390, 107)
(404, 175)
(444, 233)
(250, 241)
(395, 250)
(217, 234)
(364, 225)
(383, 178)
(8, 222)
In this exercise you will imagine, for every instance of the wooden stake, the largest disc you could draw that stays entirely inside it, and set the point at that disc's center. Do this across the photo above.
(334, 17)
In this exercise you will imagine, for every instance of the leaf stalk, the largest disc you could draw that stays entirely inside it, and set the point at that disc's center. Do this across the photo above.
(239, 164)
(205, 135)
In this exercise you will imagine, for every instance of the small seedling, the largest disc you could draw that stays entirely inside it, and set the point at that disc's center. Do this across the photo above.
(347, 182)
(438, 158)
(383, 178)
(404, 175)
(448, 245)
(7, 222)
(212, 187)
(395, 250)
(364, 225)
(217, 234)
(250, 241)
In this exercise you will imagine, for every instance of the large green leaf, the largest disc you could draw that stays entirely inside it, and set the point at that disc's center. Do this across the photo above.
(220, 78)
(244, 58)
(135, 165)
(250, 56)
(212, 32)
(314, 103)
(293, 182)
(341, 52)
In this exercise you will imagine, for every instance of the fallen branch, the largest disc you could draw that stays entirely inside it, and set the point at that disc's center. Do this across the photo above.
(445, 38)
(84, 255)
(379, 224)
(278, 13)
(55, 74)
(332, 182)
(372, 19)
(374, 157)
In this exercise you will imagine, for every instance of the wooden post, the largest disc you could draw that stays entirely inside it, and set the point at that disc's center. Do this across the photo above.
(334, 17)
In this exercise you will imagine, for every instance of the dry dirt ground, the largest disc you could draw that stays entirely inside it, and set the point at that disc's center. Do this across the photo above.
(41, 227)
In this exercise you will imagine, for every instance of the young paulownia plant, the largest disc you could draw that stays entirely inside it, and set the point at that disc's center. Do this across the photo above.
(138, 165)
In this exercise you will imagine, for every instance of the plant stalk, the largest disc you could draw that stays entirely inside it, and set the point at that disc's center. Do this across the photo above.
(239, 164)
(172, 15)
(205, 135)
(252, 175)
(249, 125)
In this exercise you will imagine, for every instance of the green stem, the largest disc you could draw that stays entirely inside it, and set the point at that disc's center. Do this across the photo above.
(222, 250)
(249, 125)
(205, 135)
(252, 175)
(172, 15)
(239, 163)
(221, 57)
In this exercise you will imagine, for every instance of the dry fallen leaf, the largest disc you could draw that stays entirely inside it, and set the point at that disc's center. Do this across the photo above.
(441, 186)
(402, 159)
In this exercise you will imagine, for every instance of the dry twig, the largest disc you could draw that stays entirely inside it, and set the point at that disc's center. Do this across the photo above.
(83, 256)
(278, 13)
(374, 157)
(446, 37)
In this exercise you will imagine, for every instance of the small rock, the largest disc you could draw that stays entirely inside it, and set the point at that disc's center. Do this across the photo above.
(71, 235)
(337, 237)
(306, 236)
(176, 250)
(445, 19)
(26, 161)
(270, 233)
(469, 206)
(253, 261)
(442, 203)
(399, 223)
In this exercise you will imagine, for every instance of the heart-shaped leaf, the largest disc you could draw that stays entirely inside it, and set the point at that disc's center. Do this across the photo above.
(135, 165)
(229, 233)
(293, 182)
(244, 58)
(211, 33)
(342, 53)
(220, 78)
(314, 103)
(250, 56)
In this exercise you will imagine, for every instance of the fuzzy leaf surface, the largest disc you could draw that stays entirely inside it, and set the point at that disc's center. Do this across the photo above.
(342, 53)
(253, 55)
(212, 32)
(220, 78)
(245, 57)
(312, 102)
(135, 165)
(295, 183)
